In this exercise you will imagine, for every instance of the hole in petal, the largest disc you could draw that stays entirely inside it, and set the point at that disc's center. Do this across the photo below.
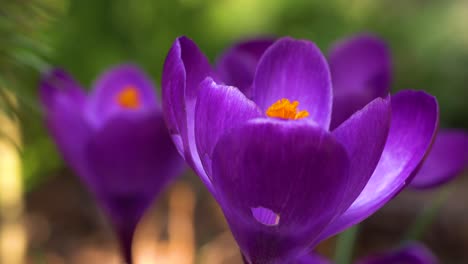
(265, 216)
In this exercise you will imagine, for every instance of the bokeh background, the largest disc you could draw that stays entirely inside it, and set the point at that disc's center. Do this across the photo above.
(47, 216)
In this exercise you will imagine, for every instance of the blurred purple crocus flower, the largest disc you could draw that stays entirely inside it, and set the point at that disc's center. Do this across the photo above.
(313, 258)
(412, 253)
(115, 139)
(447, 159)
(283, 177)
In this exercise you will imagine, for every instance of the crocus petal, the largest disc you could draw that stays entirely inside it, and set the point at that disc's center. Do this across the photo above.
(361, 71)
(295, 70)
(184, 69)
(414, 253)
(279, 183)
(413, 127)
(139, 148)
(312, 259)
(362, 62)
(219, 108)
(237, 65)
(103, 101)
(447, 159)
(59, 89)
(63, 100)
(364, 135)
(345, 105)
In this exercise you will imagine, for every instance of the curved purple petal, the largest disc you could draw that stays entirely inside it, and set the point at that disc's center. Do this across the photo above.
(447, 159)
(364, 135)
(103, 102)
(184, 69)
(237, 65)
(64, 100)
(219, 108)
(361, 70)
(295, 70)
(279, 183)
(413, 127)
(362, 62)
(58, 89)
(414, 253)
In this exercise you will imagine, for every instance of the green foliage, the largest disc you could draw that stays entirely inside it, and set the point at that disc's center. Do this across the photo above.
(23, 53)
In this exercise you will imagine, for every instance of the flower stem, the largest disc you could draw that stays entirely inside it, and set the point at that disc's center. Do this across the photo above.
(345, 245)
(125, 235)
(244, 260)
(426, 217)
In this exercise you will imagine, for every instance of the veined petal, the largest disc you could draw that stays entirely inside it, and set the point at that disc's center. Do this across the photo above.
(184, 69)
(106, 98)
(361, 71)
(364, 135)
(279, 184)
(413, 127)
(447, 159)
(295, 70)
(219, 108)
(414, 253)
(237, 65)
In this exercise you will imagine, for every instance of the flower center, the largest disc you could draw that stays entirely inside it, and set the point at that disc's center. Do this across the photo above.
(129, 97)
(283, 108)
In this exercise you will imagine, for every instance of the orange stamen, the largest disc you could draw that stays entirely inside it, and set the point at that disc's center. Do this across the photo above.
(284, 109)
(129, 97)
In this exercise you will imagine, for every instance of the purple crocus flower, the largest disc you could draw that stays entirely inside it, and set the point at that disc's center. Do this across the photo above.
(115, 139)
(369, 59)
(284, 180)
(412, 253)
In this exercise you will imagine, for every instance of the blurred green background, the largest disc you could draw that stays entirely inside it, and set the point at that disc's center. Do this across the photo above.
(429, 41)
(428, 38)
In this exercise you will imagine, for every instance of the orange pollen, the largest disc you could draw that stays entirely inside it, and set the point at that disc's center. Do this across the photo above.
(129, 97)
(284, 109)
